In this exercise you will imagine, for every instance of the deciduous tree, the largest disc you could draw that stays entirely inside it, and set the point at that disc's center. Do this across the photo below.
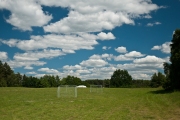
(120, 78)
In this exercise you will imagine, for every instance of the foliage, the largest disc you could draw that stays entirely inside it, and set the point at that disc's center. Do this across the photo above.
(175, 60)
(167, 84)
(157, 80)
(140, 83)
(172, 70)
(71, 80)
(120, 78)
(7, 76)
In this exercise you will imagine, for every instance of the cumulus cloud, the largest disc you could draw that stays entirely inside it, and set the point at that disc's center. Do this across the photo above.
(3, 55)
(28, 67)
(122, 58)
(149, 60)
(121, 49)
(34, 56)
(93, 63)
(128, 56)
(97, 15)
(165, 47)
(107, 56)
(152, 24)
(31, 73)
(96, 22)
(134, 54)
(25, 14)
(104, 36)
(68, 43)
(47, 70)
(106, 48)
(16, 64)
(68, 67)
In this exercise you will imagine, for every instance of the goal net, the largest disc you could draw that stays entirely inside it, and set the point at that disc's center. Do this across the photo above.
(67, 91)
(96, 88)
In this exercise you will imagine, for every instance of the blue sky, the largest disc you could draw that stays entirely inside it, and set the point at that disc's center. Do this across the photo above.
(87, 39)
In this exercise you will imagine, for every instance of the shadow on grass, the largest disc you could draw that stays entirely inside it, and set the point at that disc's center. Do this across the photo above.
(161, 91)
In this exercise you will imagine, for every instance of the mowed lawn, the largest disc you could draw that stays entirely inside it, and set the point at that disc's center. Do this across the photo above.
(112, 104)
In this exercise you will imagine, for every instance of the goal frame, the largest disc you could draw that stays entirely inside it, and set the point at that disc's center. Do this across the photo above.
(67, 91)
(96, 88)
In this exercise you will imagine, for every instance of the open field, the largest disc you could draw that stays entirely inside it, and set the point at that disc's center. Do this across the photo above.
(112, 104)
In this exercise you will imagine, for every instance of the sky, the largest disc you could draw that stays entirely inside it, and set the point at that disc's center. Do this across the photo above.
(87, 39)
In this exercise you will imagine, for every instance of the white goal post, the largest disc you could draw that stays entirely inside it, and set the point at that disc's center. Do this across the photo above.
(67, 91)
(96, 88)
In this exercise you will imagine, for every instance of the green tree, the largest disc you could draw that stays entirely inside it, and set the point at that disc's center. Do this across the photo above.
(175, 61)
(167, 84)
(120, 78)
(8, 74)
(71, 80)
(3, 82)
(57, 80)
(157, 80)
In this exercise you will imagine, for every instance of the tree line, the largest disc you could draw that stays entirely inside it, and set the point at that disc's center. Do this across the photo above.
(10, 79)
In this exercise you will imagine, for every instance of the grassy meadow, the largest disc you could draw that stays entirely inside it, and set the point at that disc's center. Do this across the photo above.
(113, 104)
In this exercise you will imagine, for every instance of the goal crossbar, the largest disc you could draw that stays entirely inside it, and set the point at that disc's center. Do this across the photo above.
(67, 91)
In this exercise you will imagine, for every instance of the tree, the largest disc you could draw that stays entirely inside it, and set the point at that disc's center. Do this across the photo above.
(71, 80)
(157, 80)
(175, 61)
(120, 78)
(167, 83)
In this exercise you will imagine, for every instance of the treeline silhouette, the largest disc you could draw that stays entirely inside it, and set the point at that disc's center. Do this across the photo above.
(10, 79)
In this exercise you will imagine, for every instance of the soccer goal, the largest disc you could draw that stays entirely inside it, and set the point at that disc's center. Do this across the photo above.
(96, 88)
(67, 91)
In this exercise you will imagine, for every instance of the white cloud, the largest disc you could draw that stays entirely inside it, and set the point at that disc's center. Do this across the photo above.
(104, 36)
(31, 73)
(3, 55)
(95, 57)
(97, 15)
(152, 24)
(96, 22)
(147, 16)
(47, 70)
(141, 76)
(165, 48)
(25, 14)
(128, 56)
(122, 58)
(95, 67)
(121, 49)
(68, 43)
(36, 55)
(76, 67)
(94, 63)
(82, 71)
(156, 47)
(107, 56)
(28, 67)
(134, 54)
(149, 60)
(106, 48)
(16, 64)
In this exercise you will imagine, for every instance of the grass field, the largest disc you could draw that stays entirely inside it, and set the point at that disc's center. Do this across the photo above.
(112, 104)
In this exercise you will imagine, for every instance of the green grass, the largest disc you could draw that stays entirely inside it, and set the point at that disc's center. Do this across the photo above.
(112, 104)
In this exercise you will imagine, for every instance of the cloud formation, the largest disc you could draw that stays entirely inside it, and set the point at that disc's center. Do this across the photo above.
(152, 24)
(3, 55)
(165, 47)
